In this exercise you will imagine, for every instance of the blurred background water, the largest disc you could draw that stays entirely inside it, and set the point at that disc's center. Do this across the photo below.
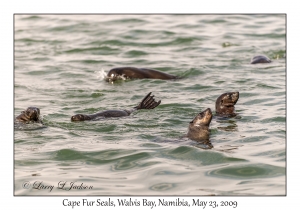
(60, 63)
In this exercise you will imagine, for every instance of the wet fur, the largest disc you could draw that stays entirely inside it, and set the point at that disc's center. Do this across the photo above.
(148, 102)
(199, 128)
(137, 73)
(225, 103)
(260, 59)
(31, 114)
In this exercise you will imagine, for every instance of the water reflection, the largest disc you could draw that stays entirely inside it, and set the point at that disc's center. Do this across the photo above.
(205, 144)
(226, 120)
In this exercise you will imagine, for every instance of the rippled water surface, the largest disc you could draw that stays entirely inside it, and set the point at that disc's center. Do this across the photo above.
(60, 65)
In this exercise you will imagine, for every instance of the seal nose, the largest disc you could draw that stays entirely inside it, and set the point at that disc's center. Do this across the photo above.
(208, 110)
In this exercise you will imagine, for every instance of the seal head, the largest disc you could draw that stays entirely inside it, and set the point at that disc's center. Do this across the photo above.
(80, 117)
(115, 74)
(30, 114)
(199, 128)
(225, 103)
(260, 59)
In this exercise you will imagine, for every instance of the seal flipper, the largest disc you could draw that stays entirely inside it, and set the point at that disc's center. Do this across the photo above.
(148, 102)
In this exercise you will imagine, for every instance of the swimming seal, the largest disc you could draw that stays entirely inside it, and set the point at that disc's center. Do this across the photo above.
(260, 59)
(225, 103)
(199, 128)
(136, 73)
(31, 114)
(147, 103)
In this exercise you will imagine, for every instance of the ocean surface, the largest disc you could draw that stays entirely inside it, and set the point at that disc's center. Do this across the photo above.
(60, 63)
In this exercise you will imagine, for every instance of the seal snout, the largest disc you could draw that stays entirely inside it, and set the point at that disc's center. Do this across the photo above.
(207, 116)
(75, 118)
(203, 118)
(108, 79)
(33, 113)
(208, 111)
(205, 113)
(112, 75)
(235, 96)
(79, 117)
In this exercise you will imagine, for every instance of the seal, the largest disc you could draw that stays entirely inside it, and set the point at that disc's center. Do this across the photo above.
(260, 59)
(225, 103)
(137, 73)
(31, 114)
(147, 103)
(199, 128)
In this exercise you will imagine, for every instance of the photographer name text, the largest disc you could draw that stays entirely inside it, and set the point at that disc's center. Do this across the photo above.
(62, 185)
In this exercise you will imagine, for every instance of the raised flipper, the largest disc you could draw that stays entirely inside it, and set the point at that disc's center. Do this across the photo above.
(148, 102)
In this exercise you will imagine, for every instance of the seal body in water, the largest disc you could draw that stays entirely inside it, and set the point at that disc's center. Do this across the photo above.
(31, 114)
(137, 73)
(147, 103)
(199, 128)
(260, 59)
(225, 103)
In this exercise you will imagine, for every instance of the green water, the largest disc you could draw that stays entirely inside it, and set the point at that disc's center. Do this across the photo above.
(60, 62)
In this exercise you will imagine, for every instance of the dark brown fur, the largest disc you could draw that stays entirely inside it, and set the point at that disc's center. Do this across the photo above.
(137, 73)
(260, 59)
(199, 127)
(147, 103)
(225, 103)
(31, 114)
